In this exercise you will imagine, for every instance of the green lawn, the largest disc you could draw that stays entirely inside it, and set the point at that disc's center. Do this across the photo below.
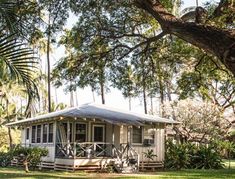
(18, 173)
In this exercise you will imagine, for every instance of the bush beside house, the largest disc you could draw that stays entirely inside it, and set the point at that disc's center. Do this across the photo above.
(190, 156)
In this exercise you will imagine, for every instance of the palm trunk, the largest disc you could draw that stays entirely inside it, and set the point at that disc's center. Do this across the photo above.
(102, 84)
(48, 67)
(161, 89)
(168, 91)
(76, 97)
(93, 94)
(129, 103)
(56, 97)
(10, 138)
(151, 102)
(71, 99)
(9, 129)
(102, 92)
(144, 98)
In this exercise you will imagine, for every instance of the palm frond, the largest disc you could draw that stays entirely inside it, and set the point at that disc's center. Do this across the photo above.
(21, 63)
(18, 16)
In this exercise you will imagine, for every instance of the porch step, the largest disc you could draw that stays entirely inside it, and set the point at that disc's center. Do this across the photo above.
(63, 167)
(151, 165)
(128, 169)
(124, 168)
(88, 167)
(49, 165)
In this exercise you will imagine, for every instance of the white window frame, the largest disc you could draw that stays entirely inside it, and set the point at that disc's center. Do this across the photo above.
(37, 134)
(47, 133)
(93, 130)
(35, 137)
(27, 140)
(53, 129)
(76, 130)
(142, 135)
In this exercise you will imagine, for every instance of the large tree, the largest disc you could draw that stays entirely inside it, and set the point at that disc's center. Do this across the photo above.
(131, 25)
(218, 41)
(56, 14)
(200, 121)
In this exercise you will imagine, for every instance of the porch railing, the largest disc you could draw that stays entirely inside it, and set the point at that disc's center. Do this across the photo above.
(84, 149)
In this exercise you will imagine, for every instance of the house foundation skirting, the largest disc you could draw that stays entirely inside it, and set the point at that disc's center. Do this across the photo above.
(97, 164)
(78, 164)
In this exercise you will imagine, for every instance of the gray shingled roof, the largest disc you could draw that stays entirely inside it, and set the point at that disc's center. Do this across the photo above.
(103, 112)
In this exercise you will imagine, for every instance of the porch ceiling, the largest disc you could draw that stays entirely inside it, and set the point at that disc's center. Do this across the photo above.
(103, 112)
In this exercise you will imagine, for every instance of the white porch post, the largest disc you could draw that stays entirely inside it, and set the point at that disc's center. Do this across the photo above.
(113, 139)
(55, 128)
(68, 140)
(113, 136)
(68, 132)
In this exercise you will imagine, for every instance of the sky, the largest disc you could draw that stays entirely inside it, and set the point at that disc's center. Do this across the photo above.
(113, 98)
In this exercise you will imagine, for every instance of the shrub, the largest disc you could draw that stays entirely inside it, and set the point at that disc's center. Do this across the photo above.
(149, 154)
(176, 155)
(5, 158)
(188, 155)
(30, 156)
(207, 157)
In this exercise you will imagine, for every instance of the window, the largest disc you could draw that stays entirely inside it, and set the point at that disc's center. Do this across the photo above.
(136, 134)
(98, 133)
(149, 135)
(44, 133)
(80, 132)
(27, 133)
(50, 136)
(68, 131)
(38, 133)
(33, 134)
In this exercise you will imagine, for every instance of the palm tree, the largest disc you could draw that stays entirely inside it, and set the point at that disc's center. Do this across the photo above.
(19, 59)
(10, 91)
(20, 62)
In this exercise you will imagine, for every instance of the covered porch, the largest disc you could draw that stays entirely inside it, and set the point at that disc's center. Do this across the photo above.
(95, 135)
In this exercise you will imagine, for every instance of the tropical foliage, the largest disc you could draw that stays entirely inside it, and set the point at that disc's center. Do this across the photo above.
(188, 155)
(29, 156)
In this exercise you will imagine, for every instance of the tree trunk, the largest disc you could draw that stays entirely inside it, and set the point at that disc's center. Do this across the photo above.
(102, 92)
(102, 84)
(56, 97)
(129, 103)
(26, 166)
(93, 94)
(48, 67)
(151, 103)
(219, 42)
(71, 99)
(168, 91)
(161, 90)
(10, 138)
(76, 97)
(144, 98)
(9, 129)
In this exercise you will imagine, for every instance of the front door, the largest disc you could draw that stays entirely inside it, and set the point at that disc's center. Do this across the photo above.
(98, 133)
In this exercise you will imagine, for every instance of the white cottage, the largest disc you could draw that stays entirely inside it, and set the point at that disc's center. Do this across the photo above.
(96, 136)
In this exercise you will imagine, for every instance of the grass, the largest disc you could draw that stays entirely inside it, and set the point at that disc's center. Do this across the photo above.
(18, 173)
